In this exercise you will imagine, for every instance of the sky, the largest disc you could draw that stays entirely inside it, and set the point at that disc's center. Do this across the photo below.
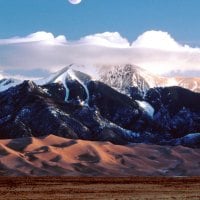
(49, 34)
(128, 17)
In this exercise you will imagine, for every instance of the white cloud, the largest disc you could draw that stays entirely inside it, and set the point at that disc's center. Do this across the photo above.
(155, 51)
(161, 54)
(107, 39)
(40, 36)
(157, 40)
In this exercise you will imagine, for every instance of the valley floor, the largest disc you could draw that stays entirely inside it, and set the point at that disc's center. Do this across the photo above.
(134, 188)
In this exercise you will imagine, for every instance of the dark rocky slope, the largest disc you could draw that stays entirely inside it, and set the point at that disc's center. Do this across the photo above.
(106, 115)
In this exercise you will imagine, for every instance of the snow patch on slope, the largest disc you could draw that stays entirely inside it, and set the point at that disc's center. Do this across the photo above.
(146, 107)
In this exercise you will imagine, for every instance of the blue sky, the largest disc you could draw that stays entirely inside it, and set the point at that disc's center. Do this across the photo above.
(128, 17)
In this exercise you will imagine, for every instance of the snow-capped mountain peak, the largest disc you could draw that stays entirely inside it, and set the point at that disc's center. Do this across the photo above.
(124, 77)
(67, 75)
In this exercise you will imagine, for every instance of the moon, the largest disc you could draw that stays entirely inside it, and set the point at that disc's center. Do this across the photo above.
(74, 1)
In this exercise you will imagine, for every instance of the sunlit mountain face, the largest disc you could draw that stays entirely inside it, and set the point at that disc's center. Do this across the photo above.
(126, 76)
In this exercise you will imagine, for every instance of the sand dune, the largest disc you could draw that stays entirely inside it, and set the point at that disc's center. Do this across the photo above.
(57, 156)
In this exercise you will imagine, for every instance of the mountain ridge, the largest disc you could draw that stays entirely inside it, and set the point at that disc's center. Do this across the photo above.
(31, 110)
(121, 77)
(72, 104)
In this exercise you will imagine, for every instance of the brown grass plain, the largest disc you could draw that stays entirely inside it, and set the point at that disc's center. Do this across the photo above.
(136, 188)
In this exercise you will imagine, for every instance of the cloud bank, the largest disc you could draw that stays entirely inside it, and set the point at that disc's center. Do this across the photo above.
(155, 51)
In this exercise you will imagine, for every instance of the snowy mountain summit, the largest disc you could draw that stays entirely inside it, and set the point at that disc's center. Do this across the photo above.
(126, 77)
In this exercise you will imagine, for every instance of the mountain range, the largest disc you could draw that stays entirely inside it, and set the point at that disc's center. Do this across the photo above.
(125, 104)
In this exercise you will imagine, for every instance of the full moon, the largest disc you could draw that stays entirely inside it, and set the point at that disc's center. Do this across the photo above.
(74, 1)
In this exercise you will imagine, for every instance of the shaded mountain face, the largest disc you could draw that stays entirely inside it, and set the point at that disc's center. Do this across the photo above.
(32, 110)
(71, 105)
(177, 110)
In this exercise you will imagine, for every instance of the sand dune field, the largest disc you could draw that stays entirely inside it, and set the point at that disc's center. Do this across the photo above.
(56, 156)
